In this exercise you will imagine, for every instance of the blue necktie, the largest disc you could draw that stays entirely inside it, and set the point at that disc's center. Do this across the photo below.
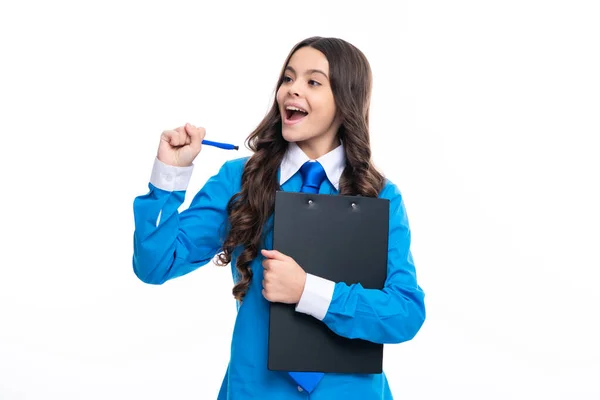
(313, 175)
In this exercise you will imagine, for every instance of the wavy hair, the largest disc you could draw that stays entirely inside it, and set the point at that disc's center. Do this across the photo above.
(250, 209)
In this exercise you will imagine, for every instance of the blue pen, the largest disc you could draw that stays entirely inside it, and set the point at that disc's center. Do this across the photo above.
(225, 146)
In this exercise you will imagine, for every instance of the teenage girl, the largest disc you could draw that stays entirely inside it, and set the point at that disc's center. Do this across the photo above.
(319, 118)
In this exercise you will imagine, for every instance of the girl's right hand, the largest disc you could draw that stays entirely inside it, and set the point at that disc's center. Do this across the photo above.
(179, 147)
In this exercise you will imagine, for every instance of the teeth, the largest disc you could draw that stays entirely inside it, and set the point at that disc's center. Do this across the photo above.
(295, 109)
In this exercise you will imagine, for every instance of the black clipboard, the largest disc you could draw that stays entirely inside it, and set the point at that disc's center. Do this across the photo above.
(340, 238)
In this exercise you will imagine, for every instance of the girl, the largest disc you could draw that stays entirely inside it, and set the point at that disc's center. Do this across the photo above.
(320, 121)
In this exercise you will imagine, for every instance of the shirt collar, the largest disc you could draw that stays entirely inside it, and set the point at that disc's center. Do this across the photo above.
(333, 162)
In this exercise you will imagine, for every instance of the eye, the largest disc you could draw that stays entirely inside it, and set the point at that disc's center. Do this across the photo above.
(286, 79)
(312, 82)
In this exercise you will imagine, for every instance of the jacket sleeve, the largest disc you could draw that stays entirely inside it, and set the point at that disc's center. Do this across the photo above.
(168, 244)
(391, 315)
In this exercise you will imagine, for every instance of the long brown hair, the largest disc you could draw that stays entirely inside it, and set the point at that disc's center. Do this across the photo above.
(249, 210)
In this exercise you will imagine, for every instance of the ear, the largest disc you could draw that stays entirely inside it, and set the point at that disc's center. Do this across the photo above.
(341, 130)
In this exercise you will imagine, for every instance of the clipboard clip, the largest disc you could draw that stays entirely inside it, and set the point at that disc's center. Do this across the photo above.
(353, 204)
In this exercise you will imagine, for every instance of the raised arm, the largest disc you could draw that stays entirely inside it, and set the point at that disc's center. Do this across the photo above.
(166, 243)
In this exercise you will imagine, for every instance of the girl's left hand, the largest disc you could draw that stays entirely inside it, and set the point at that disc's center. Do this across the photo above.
(283, 279)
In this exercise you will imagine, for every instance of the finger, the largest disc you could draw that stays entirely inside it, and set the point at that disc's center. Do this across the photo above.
(181, 135)
(196, 135)
(265, 295)
(269, 264)
(272, 265)
(275, 255)
(268, 295)
(171, 137)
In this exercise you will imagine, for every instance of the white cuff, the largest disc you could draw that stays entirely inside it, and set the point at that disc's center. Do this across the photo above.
(170, 178)
(316, 296)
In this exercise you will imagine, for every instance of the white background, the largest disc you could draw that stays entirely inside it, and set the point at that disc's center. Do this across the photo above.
(486, 114)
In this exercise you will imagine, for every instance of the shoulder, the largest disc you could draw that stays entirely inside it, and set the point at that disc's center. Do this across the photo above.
(233, 167)
(232, 171)
(236, 165)
(390, 191)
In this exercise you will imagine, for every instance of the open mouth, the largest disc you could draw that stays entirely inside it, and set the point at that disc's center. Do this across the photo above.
(294, 114)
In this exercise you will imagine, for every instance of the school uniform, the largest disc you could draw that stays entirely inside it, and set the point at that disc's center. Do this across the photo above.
(168, 244)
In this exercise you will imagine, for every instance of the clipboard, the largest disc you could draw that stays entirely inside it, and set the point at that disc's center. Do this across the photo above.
(340, 238)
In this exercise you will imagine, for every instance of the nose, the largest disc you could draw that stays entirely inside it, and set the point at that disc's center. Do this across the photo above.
(293, 89)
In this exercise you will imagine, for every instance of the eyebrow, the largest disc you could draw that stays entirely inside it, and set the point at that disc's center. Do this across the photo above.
(309, 72)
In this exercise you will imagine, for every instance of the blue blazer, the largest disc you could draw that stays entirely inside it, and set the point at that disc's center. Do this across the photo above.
(183, 242)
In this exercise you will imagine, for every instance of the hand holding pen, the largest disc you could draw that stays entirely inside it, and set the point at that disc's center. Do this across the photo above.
(179, 147)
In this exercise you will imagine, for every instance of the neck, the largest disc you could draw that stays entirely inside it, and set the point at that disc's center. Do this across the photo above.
(315, 149)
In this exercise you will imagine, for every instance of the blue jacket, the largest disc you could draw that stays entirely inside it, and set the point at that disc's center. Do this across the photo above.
(183, 242)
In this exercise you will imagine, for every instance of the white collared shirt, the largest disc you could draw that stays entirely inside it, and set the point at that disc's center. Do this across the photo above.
(333, 162)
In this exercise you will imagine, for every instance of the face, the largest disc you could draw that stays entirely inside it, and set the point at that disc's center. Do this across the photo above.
(306, 103)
